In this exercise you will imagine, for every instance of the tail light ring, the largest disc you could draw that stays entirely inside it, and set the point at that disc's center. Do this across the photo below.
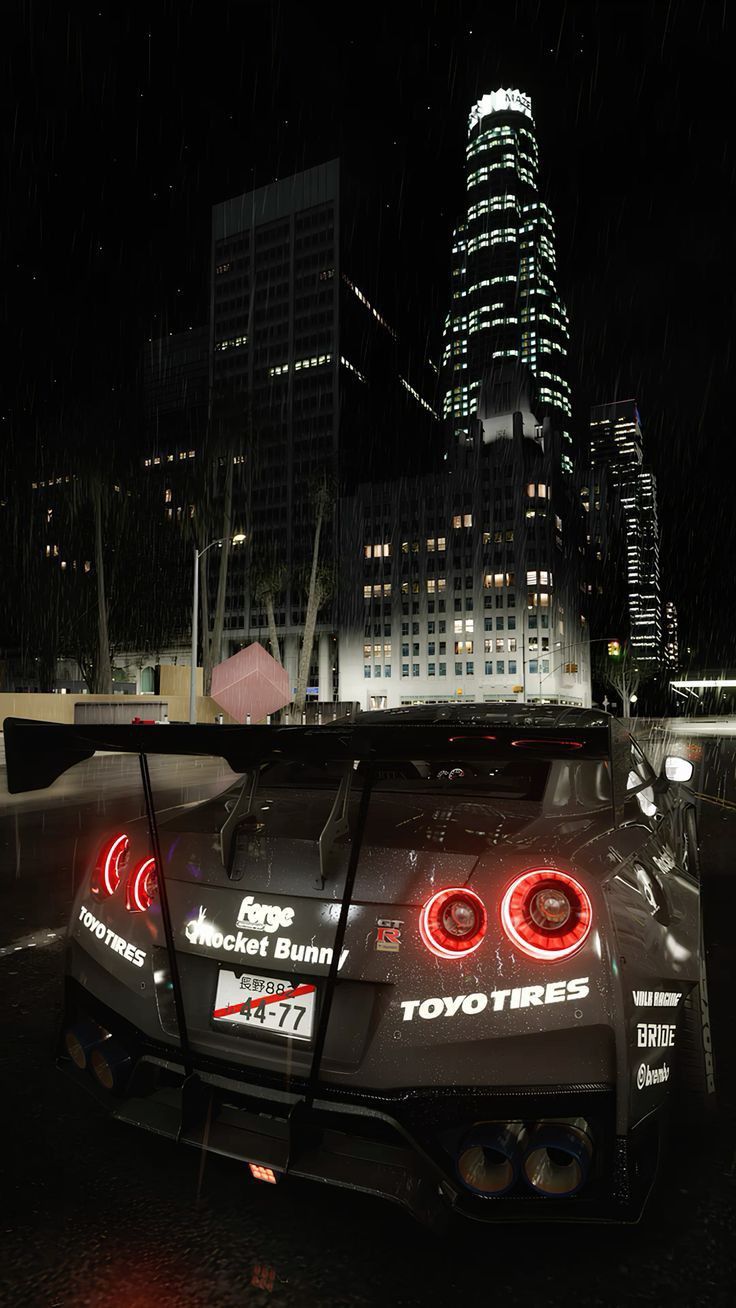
(109, 867)
(435, 936)
(525, 934)
(138, 898)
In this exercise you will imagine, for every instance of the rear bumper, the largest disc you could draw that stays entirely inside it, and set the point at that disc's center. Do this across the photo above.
(399, 1146)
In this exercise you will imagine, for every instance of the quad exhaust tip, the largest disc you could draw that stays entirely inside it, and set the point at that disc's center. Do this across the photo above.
(92, 1049)
(81, 1039)
(489, 1157)
(554, 1158)
(558, 1156)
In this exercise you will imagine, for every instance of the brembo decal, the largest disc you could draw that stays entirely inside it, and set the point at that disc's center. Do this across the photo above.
(388, 935)
(655, 1035)
(656, 998)
(110, 938)
(647, 1076)
(555, 992)
(206, 935)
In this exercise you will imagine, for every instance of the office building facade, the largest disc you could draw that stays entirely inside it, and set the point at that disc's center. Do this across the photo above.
(469, 584)
(617, 444)
(297, 336)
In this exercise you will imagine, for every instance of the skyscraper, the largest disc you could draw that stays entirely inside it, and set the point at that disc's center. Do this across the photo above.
(297, 335)
(616, 442)
(504, 301)
(470, 580)
(671, 641)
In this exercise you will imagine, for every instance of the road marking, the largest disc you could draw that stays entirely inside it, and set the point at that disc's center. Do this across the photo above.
(722, 803)
(36, 940)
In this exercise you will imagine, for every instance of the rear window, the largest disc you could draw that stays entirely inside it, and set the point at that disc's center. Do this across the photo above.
(558, 784)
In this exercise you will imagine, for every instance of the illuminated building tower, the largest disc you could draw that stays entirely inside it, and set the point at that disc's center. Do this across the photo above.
(671, 642)
(616, 442)
(503, 504)
(505, 304)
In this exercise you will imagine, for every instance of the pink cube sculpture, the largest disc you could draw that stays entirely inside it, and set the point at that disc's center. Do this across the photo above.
(251, 682)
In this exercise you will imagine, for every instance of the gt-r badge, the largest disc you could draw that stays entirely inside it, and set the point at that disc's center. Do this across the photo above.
(388, 935)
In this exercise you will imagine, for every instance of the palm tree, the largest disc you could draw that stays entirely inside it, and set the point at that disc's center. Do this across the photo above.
(211, 495)
(268, 577)
(320, 587)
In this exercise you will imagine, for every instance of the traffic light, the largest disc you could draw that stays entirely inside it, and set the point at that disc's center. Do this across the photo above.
(614, 649)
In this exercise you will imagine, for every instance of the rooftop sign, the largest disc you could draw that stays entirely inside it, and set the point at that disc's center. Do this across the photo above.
(497, 102)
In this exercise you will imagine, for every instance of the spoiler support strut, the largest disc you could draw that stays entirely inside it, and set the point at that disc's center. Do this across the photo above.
(186, 1053)
(342, 922)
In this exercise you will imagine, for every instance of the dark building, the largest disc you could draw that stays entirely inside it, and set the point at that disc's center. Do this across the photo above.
(606, 579)
(176, 391)
(175, 372)
(323, 384)
(616, 444)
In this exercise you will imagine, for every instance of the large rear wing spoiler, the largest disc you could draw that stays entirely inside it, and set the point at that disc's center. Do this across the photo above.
(38, 753)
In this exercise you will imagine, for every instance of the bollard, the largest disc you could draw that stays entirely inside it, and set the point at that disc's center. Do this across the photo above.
(247, 719)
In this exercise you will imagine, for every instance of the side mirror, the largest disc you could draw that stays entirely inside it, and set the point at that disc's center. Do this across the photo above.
(678, 769)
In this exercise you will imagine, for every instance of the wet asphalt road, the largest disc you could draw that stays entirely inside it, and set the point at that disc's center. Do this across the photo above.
(96, 1213)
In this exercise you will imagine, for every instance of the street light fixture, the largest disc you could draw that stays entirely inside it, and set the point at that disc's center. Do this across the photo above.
(237, 539)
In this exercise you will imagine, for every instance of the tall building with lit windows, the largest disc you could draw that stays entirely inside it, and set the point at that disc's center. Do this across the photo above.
(472, 581)
(671, 642)
(298, 337)
(616, 442)
(504, 300)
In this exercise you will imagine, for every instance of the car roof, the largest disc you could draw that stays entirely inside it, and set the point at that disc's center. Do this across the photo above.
(514, 715)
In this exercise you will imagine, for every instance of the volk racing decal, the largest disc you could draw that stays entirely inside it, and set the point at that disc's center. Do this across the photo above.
(111, 939)
(555, 992)
(656, 998)
(207, 935)
(388, 935)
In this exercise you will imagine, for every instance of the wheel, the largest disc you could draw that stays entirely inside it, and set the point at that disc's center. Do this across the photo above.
(696, 1078)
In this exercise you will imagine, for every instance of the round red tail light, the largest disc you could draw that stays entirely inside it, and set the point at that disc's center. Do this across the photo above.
(453, 922)
(546, 913)
(142, 887)
(110, 866)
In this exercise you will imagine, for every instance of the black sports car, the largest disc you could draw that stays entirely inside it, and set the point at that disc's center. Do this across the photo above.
(451, 956)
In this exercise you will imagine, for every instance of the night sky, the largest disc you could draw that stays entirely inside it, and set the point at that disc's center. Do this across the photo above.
(125, 123)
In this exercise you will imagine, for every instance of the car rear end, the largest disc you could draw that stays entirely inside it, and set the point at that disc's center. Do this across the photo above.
(392, 972)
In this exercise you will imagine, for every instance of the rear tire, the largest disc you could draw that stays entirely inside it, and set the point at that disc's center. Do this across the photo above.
(696, 1082)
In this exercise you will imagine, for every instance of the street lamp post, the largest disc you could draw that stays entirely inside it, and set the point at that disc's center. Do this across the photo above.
(237, 539)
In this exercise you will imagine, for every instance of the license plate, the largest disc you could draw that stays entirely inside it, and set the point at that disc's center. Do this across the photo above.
(265, 1003)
